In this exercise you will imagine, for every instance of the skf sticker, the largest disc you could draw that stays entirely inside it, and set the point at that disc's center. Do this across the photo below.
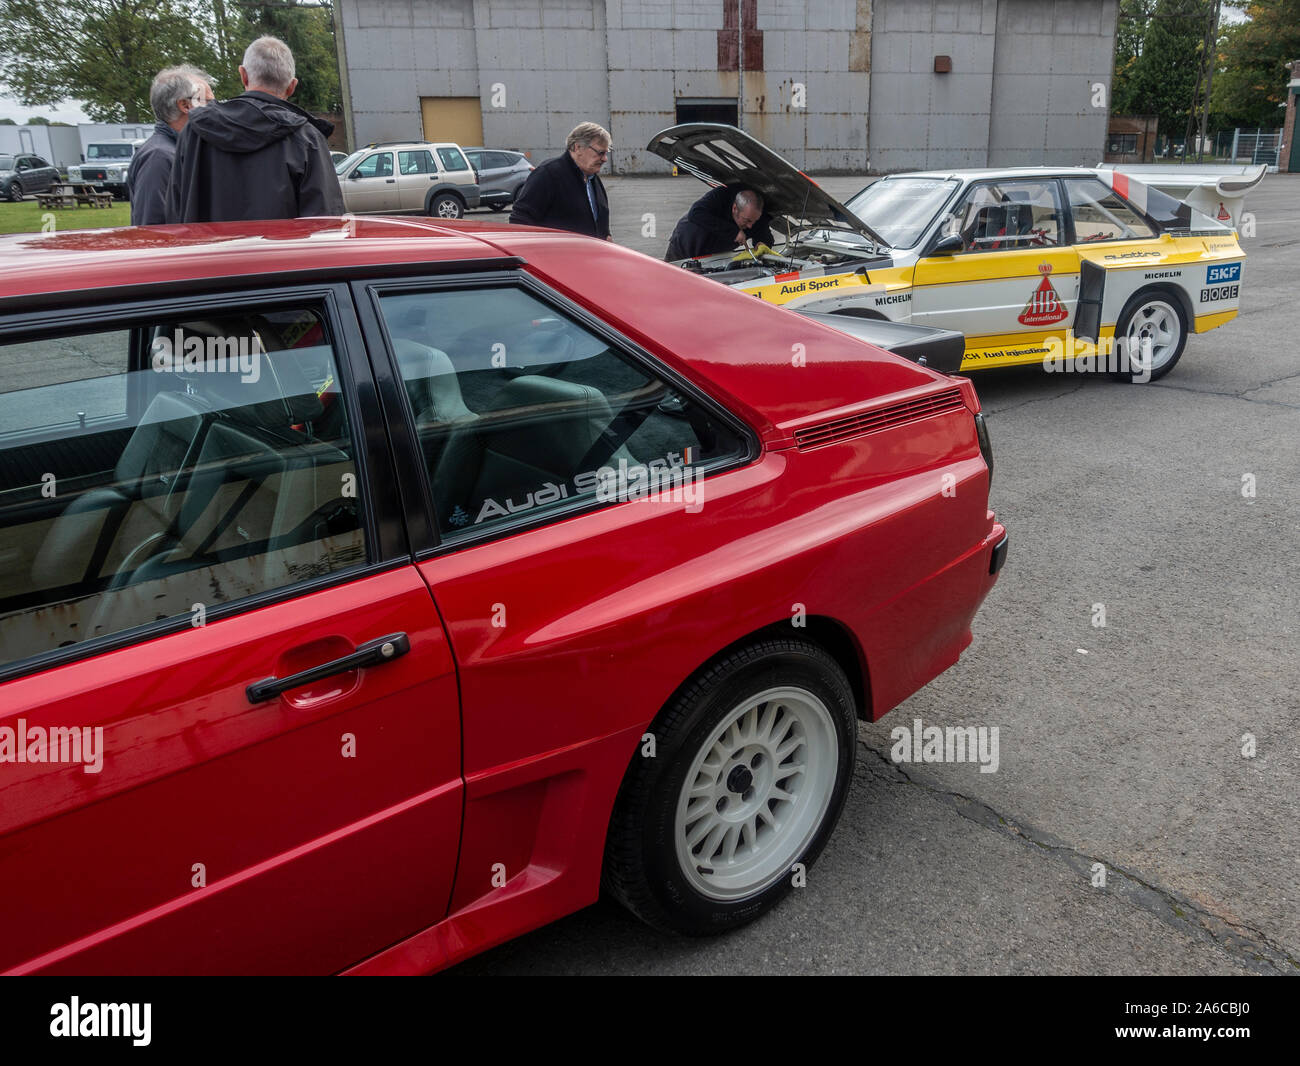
(1044, 306)
(1221, 273)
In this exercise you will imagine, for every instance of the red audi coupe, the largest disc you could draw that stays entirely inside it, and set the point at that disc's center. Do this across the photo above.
(376, 591)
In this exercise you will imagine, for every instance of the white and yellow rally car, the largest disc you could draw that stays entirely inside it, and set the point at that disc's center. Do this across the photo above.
(1033, 264)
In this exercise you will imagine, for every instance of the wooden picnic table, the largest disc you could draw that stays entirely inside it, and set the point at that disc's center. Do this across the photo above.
(74, 194)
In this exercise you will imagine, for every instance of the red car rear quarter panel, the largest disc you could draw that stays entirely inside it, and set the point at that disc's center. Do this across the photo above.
(768, 364)
(583, 629)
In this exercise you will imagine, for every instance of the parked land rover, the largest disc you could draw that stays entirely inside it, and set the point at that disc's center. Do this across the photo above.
(408, 177)
(106, 164)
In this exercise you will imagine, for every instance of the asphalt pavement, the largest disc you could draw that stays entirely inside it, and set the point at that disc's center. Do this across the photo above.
(1162, 746)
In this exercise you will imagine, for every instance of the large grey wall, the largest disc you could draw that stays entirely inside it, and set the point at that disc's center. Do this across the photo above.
(1020, 90)
(1050, 55)
(548, 57)
(400, 50)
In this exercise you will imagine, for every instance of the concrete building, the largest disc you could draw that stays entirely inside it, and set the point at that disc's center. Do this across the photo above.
(834, 85)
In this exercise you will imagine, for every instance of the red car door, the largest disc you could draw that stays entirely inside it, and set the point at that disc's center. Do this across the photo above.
(230, 736)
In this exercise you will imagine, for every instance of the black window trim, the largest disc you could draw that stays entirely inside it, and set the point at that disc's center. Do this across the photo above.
(382, 523)
(427, 539)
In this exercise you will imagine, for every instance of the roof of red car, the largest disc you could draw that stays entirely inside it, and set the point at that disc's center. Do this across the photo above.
(735, 341)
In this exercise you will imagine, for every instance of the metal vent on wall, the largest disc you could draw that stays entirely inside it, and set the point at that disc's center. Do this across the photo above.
(897, 414)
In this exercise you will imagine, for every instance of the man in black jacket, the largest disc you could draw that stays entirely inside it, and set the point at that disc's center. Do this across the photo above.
(720, 221)
(566, 192)
(256, 156)
(175, 92)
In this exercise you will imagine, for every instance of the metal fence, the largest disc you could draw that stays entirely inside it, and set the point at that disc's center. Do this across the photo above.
(1247, 146)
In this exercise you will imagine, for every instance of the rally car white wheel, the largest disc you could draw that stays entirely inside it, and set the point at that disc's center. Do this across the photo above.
(751, 769)
(1154, 331)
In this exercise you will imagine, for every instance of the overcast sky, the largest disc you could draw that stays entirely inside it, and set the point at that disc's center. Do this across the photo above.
(69, 111)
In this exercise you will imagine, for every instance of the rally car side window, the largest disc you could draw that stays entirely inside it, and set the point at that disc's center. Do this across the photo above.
(1100, 214)
(1006, 216)
(228, 474)
(523, 414)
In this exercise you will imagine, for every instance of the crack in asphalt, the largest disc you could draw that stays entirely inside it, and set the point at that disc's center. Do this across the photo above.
(1237, 395)
(1251, 947)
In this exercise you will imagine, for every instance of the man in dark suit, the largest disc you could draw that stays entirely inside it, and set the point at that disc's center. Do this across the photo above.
(721, 221)
(566, 192)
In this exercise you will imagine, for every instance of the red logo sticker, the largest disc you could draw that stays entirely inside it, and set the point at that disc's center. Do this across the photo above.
(1223, 213)
(1044, 306)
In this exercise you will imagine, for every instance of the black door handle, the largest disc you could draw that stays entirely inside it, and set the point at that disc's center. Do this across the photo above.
(372, 653)
(389, 181)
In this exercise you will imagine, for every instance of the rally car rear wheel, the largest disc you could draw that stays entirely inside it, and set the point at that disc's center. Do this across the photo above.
(1154, 330)
(750, 771)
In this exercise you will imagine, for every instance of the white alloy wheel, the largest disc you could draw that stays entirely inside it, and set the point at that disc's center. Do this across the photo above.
(756, 793)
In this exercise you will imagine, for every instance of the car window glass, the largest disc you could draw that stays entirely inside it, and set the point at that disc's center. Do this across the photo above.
(501, 159)
(47, 386)
(379, 165)
(229, 472)
(1100, 214)
(478, 160)
(452, 159)
(901, 209)
(37, 161)
(1006, 216)
(522, 413)
(413, 162)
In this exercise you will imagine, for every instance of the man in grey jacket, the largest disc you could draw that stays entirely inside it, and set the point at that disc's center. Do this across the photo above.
(175, 92)
(256, 156)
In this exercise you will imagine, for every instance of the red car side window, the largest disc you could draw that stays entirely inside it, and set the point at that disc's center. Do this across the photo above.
(235, 476)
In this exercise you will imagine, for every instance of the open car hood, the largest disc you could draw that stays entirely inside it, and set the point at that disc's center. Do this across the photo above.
(724, 155)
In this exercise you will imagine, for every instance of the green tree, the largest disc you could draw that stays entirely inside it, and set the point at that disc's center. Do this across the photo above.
(38, 120)
(1251, 83)
(308, 30)
(7, 122)
(1158, 51)
(102, 52)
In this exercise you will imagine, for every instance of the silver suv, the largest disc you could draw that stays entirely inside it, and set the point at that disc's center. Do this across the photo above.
(405, 177)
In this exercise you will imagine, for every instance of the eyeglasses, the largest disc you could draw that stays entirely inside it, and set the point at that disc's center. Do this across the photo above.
(603, 154)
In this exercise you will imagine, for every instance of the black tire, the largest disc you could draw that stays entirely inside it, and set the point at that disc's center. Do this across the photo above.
(498, 207)
(1154, 306)
(446, 205)
(642, 868)
(16, 192)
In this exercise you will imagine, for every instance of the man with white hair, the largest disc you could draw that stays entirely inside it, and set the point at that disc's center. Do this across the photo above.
(721, 220)
(256, 156)
(175, 92)
(566, 192)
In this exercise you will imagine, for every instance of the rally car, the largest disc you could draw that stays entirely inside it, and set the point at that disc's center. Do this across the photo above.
(1032, 264)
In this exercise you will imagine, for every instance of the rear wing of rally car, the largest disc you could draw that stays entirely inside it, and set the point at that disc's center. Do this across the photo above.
(1215, 192)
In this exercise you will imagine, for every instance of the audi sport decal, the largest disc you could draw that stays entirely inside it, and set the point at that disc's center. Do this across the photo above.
(1044, 306)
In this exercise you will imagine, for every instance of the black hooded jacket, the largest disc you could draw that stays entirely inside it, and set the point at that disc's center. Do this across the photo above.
(708, 228)
(253, 157)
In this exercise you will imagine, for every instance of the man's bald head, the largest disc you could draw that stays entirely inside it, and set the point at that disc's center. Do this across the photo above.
(746, 208)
